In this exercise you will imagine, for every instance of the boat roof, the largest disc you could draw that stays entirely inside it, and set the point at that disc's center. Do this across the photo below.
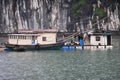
(100, 32)
(38, 31)
(24, 34)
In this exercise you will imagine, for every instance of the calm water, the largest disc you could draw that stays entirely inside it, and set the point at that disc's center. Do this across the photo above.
(61, 65)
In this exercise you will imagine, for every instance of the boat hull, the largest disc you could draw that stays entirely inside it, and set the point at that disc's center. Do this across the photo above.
(56, 46)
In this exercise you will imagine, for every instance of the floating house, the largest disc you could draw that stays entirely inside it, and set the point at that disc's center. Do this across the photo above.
(100, 39)
(94, 40)
(32, 40)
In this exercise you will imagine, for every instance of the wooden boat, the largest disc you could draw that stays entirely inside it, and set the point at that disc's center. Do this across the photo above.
(55, 46)
(34, 40)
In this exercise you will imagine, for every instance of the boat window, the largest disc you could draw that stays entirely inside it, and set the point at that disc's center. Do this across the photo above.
(24, 37)
(43, 38)
(97, 38)
(19, 37)
(33, 37)
(15, 37)
(10, 37)
(28, 37)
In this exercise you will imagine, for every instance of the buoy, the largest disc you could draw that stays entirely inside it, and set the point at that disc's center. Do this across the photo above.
(68, 47)
(5, 49)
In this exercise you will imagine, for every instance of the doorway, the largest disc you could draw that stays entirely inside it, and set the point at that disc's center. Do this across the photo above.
(109, 40)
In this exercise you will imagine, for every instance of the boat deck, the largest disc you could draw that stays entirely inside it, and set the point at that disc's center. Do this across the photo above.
(88, 47)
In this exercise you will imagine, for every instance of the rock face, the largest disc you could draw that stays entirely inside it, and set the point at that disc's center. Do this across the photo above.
(32, 14)
(64, 15)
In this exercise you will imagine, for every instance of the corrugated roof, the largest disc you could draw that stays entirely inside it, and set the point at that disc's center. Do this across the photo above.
(25, 34)
(38, 31)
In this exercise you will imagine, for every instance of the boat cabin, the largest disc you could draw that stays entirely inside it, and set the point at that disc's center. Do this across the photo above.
(100, 38)
(42, 37)
(95, 40)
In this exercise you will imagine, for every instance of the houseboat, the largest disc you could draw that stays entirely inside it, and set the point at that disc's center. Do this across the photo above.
(33, 40)
(95, 40)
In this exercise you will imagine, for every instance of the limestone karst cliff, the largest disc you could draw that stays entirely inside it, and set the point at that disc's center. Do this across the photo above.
(64, 15)
(32, 14)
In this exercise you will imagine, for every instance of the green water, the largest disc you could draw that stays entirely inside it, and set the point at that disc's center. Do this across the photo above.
(61, 64)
